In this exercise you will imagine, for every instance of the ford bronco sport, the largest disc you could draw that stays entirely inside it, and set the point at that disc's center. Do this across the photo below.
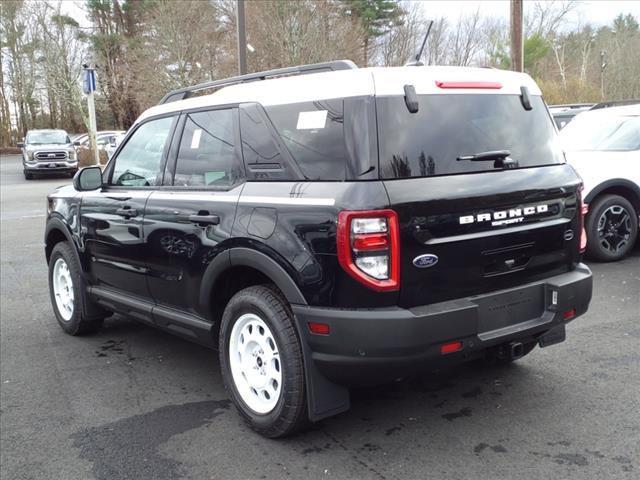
(325, 226)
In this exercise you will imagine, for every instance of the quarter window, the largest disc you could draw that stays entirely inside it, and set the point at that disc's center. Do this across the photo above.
(139, 162)
(207, 155)
(313, 132)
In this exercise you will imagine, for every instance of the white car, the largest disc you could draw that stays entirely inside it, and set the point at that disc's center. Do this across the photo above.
(114, 143)
(604, 147)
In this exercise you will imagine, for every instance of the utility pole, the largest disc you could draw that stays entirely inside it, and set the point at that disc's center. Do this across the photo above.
(89, 85)
(242, 37)
(517, 50)
(603, 65)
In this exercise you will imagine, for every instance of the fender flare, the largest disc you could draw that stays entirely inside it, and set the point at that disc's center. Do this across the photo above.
(614, 182)
(56, 223)
(248, 257)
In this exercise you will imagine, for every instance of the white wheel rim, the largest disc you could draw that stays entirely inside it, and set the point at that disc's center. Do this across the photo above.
(255, 364)
(63, 289)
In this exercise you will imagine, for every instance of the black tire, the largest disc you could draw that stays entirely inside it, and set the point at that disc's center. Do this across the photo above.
(611, 235)
(290, 413)
(28, 176)
(77, 324)
(500, 357)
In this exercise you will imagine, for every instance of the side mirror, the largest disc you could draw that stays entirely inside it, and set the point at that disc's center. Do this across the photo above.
(76, 143)
(89, 178)
(20, 144)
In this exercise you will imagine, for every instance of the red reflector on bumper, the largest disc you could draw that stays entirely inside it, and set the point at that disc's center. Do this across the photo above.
(318, 328)
(569, 314)
(450, 347)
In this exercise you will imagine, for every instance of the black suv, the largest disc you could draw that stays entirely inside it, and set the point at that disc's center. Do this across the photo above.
(330, 227)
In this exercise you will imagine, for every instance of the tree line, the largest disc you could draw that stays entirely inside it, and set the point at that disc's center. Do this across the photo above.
(144, 48)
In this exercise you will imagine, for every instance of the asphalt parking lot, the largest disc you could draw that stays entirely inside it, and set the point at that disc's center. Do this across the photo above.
(135, 403)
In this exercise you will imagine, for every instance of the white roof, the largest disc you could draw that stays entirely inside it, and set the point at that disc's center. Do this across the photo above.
(382, 81)
(622, 111)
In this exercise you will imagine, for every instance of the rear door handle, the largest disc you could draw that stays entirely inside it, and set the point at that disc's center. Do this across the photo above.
(205, 219)
(127, 212)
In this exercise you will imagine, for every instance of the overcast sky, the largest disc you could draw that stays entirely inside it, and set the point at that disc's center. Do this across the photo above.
(597, 12)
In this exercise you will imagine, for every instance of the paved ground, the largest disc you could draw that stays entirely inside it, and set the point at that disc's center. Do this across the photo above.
(135, 403)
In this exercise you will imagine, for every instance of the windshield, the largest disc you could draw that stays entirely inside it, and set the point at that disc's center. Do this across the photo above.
(429, 142)
(44, 138)
(601, 133)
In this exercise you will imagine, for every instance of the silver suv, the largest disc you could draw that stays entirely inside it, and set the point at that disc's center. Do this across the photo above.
(48, 152)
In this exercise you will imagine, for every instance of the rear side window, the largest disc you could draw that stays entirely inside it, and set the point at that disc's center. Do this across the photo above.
(313, 132)
(429, 142)
(207, 155)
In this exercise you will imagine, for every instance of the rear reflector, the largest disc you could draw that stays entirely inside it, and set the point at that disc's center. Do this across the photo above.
(569, 314)
(370, 241)
(489, 85)
(318, 328)
(450, 347)
(584, 209)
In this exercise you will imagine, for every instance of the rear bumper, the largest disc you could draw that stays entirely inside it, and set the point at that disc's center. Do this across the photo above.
(374, 346)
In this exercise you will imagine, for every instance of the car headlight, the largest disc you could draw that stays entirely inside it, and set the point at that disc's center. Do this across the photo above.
(72, 154)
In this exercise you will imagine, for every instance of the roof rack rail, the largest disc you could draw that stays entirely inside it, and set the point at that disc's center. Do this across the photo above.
(614, 103)
(186, 92)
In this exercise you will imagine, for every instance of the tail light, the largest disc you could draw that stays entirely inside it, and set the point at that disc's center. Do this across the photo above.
(369, 247)
(584, 209)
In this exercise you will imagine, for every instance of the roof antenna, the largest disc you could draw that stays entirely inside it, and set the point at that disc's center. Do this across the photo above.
(415, 61)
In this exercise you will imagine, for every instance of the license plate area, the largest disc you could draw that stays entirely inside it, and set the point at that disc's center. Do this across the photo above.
(510, 308)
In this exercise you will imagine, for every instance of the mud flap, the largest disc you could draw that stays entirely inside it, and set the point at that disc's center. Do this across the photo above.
(324, 398)
(555, 335)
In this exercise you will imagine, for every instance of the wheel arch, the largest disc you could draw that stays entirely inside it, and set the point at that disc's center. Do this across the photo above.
(240, 267)
(617, 186)
(55, 232)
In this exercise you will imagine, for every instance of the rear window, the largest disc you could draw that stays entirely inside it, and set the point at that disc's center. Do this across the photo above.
(429, 142)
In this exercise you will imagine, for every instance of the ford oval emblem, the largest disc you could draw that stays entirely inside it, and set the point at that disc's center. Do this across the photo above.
(425, 261)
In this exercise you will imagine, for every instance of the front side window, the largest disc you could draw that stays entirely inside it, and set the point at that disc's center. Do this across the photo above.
(139, 161)
(207, 155)
(446, 127)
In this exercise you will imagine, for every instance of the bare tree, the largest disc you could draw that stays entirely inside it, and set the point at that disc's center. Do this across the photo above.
(396, 46)
(466, 39)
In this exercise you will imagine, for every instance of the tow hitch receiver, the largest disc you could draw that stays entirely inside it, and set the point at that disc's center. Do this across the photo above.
(516, 350)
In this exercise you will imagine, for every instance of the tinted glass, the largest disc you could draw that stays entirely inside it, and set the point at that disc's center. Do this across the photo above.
(602, 133)
(313, 133)
(138, 163)
(446, 127)
(261, 153)
(207, 151)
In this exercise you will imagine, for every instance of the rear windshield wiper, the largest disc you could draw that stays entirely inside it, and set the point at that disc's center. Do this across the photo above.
(500, 158)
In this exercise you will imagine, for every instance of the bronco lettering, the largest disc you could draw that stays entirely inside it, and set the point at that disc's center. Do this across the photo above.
(514, 215)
